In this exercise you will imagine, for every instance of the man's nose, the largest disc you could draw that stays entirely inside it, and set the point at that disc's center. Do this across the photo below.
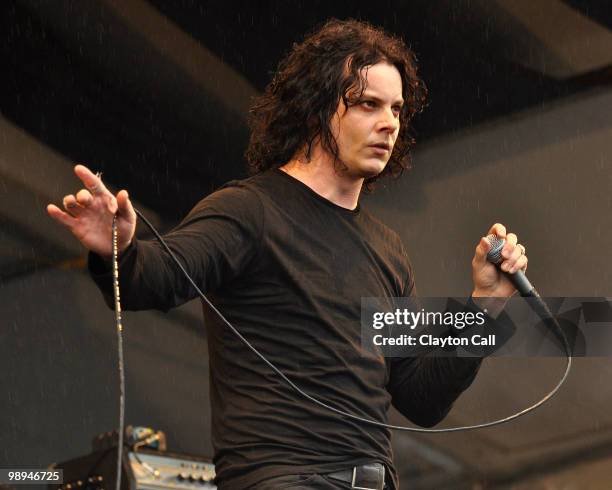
(388, 121)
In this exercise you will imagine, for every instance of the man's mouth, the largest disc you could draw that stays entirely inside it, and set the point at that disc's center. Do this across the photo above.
(382, 146)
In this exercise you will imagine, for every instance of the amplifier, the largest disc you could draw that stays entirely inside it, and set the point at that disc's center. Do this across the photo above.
(142, 470)
(155, 470)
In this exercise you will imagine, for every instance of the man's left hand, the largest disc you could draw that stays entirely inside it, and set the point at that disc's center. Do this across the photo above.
(488, 280)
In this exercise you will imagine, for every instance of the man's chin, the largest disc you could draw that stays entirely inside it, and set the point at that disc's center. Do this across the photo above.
(366, 170)
(372, 169)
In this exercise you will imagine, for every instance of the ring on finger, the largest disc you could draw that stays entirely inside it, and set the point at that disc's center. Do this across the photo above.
(95, 188)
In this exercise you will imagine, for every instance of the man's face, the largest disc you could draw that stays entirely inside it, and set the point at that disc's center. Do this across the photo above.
(367, 130)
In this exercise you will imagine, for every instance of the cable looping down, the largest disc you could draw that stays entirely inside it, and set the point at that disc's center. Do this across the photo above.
(291, 383)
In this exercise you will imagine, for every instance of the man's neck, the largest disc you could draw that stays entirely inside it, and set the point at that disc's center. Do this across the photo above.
(320, 175)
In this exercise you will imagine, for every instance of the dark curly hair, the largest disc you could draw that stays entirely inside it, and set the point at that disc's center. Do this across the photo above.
(298, 104)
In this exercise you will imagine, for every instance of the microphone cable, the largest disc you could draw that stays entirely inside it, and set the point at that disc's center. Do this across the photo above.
(546, 312)
(119, 328)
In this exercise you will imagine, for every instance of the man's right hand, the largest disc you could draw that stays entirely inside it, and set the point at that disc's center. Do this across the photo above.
(89, 214)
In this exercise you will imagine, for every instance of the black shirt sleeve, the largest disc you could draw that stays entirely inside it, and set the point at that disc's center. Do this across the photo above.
(423, 388)
(214, 243)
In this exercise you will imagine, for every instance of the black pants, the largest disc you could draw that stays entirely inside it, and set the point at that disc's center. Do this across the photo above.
(303, 482)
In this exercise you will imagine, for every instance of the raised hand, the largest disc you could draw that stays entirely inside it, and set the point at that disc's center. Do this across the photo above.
(488, 281)
(89, 214)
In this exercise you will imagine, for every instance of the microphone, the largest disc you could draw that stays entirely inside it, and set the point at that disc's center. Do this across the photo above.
(523, 286)
(519, 279)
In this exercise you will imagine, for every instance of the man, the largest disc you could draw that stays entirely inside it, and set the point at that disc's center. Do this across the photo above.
(287, 255)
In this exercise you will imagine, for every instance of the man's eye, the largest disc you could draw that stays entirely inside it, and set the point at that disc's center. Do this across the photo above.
(369, 103)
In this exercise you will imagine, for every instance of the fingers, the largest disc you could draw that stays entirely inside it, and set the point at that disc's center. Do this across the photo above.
(70, 205)
(520, 264)
(511, 266)
(91, 204)
(511, 239)
(482, 249)
(76, 205)
(60, 216)
(92, 181)
(510, 246)
(515, 258)
(497, 229)
(125, 207)
(84, 197)
(513, 253)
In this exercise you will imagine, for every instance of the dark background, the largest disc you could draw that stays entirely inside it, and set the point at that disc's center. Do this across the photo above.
(69, 68)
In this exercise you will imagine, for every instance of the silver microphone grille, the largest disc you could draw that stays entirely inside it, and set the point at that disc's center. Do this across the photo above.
(494, 256)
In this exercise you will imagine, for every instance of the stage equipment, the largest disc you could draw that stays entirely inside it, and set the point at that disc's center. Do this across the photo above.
(145, 469)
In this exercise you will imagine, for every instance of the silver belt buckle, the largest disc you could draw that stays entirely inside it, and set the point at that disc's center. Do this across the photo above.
(365, 488)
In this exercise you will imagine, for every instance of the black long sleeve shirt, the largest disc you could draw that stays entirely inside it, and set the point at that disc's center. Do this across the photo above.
(288, 269)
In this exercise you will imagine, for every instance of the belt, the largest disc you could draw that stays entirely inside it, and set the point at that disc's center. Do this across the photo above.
(365, 477)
